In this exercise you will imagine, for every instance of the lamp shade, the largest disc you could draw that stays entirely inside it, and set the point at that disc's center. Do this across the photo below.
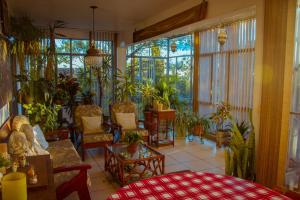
(93, 58)
(14, 186)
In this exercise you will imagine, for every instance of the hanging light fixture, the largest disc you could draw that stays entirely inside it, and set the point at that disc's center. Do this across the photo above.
(222, 36)
(173, 46)
(94, 57)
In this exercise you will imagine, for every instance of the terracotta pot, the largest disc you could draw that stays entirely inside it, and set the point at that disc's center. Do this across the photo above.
(132, 148)
(198, 130)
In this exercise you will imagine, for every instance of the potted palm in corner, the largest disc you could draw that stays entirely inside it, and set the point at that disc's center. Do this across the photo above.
(148, 94)
(240, 153)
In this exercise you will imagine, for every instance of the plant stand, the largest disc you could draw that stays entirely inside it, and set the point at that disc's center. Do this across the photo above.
(222, 138)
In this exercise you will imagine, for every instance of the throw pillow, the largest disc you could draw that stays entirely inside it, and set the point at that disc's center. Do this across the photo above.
(39, 135)
(91, 124)
(126, 120)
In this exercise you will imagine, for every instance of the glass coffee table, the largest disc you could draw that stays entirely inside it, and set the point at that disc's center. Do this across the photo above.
(128, 166)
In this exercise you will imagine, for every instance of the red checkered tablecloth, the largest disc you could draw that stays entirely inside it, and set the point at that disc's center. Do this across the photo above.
(195, 185)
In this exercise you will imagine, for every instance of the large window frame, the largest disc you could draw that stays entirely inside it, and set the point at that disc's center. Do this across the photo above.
(135, 58)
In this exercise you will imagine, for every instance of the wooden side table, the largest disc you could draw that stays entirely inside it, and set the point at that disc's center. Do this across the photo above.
(169, 117)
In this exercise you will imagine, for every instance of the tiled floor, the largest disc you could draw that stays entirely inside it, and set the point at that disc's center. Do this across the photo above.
(185, 155)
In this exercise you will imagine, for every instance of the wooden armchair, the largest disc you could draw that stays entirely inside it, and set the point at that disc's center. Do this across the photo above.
(70, 174)
(127, 108)
(91, 139)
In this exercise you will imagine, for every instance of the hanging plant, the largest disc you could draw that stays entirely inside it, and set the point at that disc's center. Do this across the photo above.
(26, 39)
(50, 68)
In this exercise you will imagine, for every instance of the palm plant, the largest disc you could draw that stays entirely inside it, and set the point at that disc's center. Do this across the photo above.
(240, 153)
(125, 87)
(148, 94)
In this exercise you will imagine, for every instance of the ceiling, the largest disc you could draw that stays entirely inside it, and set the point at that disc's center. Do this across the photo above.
(111, 15)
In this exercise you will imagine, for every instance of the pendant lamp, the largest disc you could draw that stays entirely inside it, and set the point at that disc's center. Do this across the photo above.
(94, 57)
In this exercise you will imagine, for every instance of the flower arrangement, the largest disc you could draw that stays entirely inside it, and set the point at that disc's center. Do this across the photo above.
(221, 115)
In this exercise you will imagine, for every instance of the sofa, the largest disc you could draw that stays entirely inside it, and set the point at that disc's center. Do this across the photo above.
(70, 174)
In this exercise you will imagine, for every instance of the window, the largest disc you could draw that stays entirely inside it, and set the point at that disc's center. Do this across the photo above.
(226, 75)
(154, 59)
(70, 60)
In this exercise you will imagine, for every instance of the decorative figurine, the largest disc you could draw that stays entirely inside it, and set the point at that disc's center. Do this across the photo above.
(23, 161)
(32, 176)
(15, 166)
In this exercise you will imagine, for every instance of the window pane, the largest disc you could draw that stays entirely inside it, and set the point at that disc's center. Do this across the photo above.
(183, 46)
(104, 46)
(63, 64)
(205, 79)
(80, 46)
(184, 74)
(172, 66)
(62, 45)
(159, 48)
(77, 65)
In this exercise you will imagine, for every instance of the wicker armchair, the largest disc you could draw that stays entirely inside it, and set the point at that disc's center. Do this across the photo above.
(99, 139)
(127, 107)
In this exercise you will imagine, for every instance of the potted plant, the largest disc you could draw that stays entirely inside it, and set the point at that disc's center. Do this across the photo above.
(4, 163)
(200, 126)
(148, 94)
(240, 153)
(219, 118)
(132, 139)
(183, 123)
(44, 115)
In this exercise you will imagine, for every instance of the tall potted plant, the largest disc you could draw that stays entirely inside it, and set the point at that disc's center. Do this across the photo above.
(200, 126)
(240, 153)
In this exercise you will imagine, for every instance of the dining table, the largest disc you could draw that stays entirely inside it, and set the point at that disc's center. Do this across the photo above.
(195, 185)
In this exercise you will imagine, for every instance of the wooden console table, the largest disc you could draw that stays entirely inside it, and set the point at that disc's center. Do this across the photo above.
(169, 117)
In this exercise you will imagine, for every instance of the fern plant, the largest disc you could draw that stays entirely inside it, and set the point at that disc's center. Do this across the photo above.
(240, 153)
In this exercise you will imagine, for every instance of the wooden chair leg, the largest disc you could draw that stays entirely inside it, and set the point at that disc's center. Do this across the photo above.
(83, 193)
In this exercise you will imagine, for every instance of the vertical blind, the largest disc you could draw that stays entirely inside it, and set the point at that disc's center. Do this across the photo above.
(226, 74)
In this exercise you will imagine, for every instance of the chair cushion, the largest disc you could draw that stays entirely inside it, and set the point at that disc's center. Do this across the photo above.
(19, 121)
(98, 137)
(123, 107)
(39, 135)
(87, 111)
(63, 153)
(126, 120)
(91, 124)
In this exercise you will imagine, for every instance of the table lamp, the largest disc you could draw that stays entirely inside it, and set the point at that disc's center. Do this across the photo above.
(14, 186)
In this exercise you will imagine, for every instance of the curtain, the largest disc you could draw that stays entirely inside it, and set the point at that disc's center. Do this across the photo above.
(226, 74)
(292, 175)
